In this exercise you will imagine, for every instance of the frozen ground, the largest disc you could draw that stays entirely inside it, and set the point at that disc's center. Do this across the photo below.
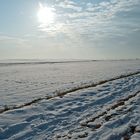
(109, 110)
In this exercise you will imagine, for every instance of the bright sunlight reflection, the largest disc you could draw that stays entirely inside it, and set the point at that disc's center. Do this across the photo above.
(45, 15)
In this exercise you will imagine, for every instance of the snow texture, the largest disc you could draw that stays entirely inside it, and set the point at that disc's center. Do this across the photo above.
(108, 111)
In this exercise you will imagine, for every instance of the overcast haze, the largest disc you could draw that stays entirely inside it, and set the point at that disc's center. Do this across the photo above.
(69, 29)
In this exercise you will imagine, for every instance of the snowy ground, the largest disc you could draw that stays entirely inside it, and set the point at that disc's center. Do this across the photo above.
(110, 110)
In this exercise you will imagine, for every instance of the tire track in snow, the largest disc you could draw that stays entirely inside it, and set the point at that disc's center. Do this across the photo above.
(63, 93)
(119, 103)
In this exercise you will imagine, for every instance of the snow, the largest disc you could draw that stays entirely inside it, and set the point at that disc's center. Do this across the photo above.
(22, 80)
(110, 110)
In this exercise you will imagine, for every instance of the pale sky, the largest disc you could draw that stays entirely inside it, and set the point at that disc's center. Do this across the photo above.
(69, 29)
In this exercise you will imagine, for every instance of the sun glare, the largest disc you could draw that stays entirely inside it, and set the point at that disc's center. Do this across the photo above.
(45, 15)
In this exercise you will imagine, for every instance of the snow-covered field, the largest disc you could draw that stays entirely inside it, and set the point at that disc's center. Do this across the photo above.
(93, 100)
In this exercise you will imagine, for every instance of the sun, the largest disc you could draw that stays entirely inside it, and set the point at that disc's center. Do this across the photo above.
(45, 15)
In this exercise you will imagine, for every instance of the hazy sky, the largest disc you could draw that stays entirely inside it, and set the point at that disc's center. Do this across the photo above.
(51, 29)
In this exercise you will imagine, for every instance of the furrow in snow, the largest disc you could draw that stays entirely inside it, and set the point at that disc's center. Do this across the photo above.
(67, 91)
